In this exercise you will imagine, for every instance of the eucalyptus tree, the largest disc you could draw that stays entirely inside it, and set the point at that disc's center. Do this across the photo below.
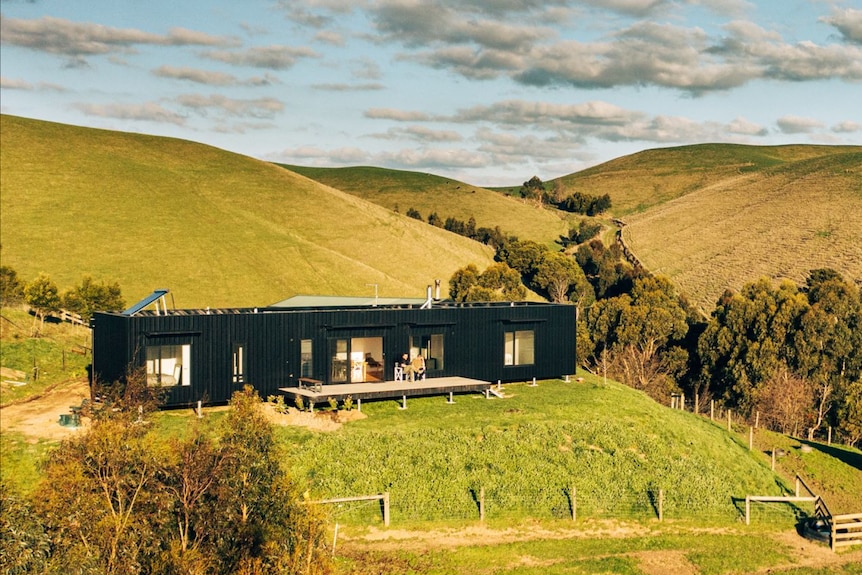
(642, 331)
(749, 337)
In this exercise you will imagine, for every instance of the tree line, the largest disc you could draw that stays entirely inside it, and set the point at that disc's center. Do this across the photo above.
(790, 353)
(122, 498)
(44, 297)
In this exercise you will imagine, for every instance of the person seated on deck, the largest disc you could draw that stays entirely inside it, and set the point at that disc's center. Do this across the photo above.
(406, 367)
(418, 365)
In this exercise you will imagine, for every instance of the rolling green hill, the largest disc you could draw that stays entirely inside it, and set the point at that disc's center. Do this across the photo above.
(615, 445)
(715, 216)
(428, 193)
(217, 228)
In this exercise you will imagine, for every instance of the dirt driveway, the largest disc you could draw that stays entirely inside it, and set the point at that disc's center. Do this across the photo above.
(39, 418)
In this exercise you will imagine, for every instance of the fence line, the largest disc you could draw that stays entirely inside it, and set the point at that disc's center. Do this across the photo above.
(846, 530)
(553, 503)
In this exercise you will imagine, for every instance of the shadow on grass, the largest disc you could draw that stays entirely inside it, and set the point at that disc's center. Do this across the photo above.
(847, 457)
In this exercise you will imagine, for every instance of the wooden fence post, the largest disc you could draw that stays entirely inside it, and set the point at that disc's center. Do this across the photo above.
(386, 508)
(750, 438)
(696, 404)
(661, 504)
(829, 437)
(712, 410)
(757, 420)
(574, 501)
(728, 421)
(747, 510)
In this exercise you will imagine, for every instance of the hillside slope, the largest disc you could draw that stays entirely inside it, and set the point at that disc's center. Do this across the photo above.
(217, 228)
(715, 216)
(614, 444)
(777, 223)
(428, 193)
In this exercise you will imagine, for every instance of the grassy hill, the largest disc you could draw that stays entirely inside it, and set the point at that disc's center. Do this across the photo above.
(217, 228)
(616, 446)
(715, 216)
(428, 193)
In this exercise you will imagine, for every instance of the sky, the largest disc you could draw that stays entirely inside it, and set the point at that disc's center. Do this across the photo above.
(491, 92)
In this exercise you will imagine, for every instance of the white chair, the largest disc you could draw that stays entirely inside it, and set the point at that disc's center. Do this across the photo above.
(399, 372)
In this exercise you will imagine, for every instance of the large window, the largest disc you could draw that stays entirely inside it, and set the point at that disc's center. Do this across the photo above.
(431, 348)
(519, 347)
(169, 365)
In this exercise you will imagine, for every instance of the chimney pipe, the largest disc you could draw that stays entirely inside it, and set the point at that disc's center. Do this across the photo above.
(437, 290)
(428, 300)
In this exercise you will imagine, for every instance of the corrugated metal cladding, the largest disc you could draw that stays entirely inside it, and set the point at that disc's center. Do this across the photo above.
(473, 338)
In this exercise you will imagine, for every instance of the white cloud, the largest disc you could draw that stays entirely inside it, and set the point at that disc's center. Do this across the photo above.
(848, 22)
(798, 125)
(146, 112)
(270, 57)
(257, 108)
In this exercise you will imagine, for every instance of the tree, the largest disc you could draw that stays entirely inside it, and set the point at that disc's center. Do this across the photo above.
(503, 281)
(522, 256)
(98, 500)
(411, 213)
(25, 546)
(264, 525)
(11, 288)
(41, 295)
(749, 336)
(642, 331)
(784, 401)
(461, 282)
(850, 413)
(534, 189)
(92, 296)
(559, 274)
(498, 282)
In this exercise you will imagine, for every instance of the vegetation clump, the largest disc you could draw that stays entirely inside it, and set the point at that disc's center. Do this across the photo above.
(121, 499)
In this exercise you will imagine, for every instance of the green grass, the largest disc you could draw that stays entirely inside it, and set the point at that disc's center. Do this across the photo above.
(22, 458)
(733, 552)
(615, 446)
(428, 193)
(217, 228)
(832, 471)
(754, 225)
(55, 354)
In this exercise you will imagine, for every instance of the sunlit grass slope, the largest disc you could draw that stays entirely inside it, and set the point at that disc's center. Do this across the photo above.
(217, 228)
(613, 444)
(640, 181)
(449, 198)
(778, 223)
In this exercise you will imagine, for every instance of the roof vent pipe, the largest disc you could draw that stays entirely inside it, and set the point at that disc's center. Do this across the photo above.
(436, 290)
(428, 300)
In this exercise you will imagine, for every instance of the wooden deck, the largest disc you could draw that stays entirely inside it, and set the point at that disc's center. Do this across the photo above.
(391, 389)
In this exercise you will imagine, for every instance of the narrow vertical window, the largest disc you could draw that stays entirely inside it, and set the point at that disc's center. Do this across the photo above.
(305, 359)
(238, 363)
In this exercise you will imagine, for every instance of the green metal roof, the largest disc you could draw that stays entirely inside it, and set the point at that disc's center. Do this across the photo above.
(344, 301)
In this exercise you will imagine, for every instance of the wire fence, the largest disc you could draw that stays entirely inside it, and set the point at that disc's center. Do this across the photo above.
(562, 503)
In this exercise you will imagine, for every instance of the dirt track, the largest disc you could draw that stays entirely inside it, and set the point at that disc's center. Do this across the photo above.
(40, 418)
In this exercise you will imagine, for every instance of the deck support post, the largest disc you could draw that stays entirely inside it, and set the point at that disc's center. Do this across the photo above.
(451, 401)
(403, 402)
(534, 383)
(359, 404)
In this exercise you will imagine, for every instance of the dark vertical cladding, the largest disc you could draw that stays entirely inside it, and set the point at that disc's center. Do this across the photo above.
(206, 355)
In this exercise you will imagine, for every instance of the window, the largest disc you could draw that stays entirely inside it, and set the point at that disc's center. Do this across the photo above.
(338, 361)
(519, 347)
(238, 363)
(431, 347)
(306, 367)
(169, 365)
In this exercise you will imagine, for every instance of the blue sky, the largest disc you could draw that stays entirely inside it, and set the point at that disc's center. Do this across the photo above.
(490, 92)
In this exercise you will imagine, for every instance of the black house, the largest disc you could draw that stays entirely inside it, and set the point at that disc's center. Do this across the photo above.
(207, 354)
